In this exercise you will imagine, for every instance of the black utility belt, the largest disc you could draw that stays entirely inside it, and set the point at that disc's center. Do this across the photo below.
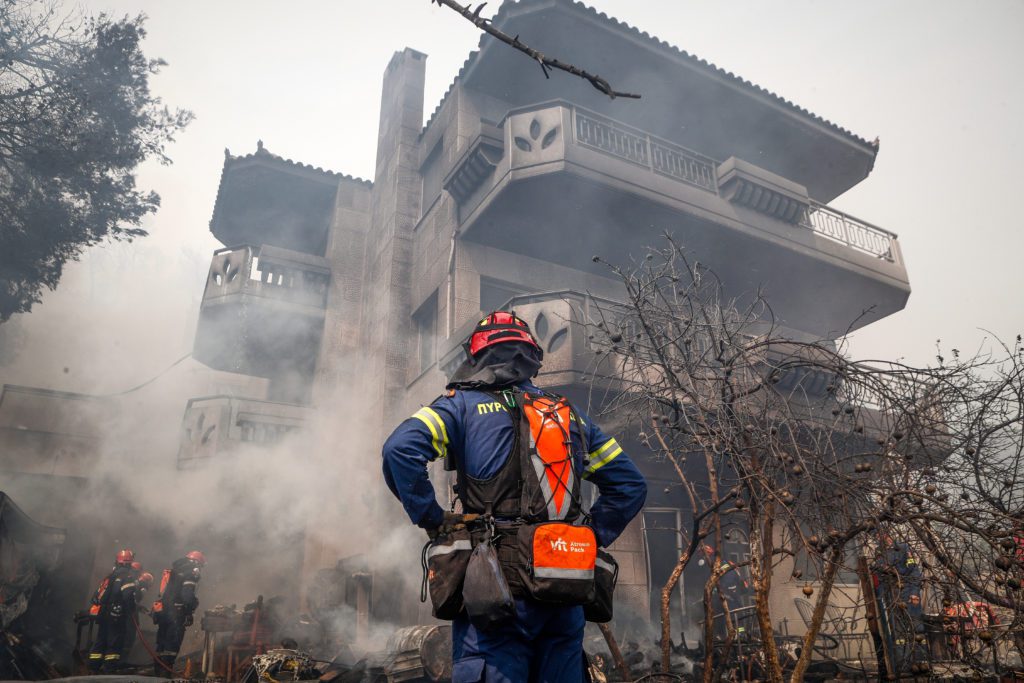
(555, 562)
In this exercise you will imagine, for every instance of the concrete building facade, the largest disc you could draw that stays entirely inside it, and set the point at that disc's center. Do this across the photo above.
(504, 195)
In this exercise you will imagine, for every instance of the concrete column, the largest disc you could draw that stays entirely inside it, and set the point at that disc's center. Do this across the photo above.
(395, 209)
(340, 351)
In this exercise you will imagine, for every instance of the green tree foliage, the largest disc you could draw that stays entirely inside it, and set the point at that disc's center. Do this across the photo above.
(76, 119)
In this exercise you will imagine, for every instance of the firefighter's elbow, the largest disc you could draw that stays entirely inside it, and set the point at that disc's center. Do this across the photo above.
(639, 499)
(642, 493)
(391, 456)
(389, 449)
(639, 487)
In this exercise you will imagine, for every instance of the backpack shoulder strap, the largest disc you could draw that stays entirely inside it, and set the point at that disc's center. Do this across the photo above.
(583, 429)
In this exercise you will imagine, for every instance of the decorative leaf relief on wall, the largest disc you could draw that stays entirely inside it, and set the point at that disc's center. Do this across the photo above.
(535, 134)
(199, 433)
(550, 342)
(226, 272)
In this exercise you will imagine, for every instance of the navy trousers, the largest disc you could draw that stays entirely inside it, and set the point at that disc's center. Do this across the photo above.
(543, 645)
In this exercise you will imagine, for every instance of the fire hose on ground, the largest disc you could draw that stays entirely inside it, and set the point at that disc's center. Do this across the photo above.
(152, 654)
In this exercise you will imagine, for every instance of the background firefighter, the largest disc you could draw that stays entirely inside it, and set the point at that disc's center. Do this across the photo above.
(898, 587)
(113, 605)
(477, 424)
(172, 611)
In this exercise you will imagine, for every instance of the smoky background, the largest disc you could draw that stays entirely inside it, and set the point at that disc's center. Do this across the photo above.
(933, 80)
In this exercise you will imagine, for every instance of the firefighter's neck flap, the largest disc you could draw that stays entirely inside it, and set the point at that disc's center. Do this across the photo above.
(501, 365)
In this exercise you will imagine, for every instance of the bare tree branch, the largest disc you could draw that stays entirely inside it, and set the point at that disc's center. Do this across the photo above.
(546, 63)
(819, 459)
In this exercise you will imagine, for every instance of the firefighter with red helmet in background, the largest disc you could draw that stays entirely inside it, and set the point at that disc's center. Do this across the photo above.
(113, 605)
(520, 454)
(172, 611)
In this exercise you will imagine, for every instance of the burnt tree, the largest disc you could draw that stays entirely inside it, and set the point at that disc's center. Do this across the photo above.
(814, 455)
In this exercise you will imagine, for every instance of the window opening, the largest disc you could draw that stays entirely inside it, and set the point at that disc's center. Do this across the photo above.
(425, 320)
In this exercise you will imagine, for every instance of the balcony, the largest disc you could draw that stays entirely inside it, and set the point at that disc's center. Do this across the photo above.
(579, 362)
(558, 321)
(671, 160)
(217, 426)
(564, 323)
(263, 315)
(49, 432)
(270, 273)
(570, 183)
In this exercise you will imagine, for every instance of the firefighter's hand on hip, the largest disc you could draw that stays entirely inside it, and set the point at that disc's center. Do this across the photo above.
(452, 522)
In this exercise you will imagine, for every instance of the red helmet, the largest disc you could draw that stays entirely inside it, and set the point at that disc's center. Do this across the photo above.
(137, 566)
(124, 557)
(499, 327)
(196, 556)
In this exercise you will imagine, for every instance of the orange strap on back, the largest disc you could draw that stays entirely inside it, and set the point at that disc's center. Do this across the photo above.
(102, 590)
(549, 428)
(164, 580)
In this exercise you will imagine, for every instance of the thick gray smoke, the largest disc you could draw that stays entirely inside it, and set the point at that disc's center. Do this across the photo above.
(267, 516)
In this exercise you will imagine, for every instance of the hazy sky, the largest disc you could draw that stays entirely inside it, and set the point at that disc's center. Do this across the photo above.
(940, 83)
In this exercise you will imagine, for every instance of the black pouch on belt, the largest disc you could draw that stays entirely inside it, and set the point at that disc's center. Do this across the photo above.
(446, 560)
(606, 573)
(485, 594)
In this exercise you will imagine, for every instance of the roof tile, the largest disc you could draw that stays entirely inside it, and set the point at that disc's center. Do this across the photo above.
(262, 153)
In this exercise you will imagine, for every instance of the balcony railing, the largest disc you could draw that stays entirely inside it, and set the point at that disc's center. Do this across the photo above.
(850, 231)
(269, 272)
(636, 146)
(669, 159)
(214, 426)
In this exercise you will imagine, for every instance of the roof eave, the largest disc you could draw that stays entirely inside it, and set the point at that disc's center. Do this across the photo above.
(261, 157)
(510, 10)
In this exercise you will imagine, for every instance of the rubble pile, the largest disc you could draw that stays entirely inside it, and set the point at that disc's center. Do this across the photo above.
(28, 550)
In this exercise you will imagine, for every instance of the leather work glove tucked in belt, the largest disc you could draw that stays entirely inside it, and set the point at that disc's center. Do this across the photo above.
(452, 521)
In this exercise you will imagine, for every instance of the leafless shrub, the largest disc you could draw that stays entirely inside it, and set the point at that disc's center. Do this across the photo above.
(814, 455)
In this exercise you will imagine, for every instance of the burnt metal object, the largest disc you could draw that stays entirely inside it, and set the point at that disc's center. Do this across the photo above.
(28, 550)
(285, 664)
(420, 653)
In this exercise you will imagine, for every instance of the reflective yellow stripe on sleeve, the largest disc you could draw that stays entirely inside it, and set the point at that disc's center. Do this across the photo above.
(602, 456)
(438, 432)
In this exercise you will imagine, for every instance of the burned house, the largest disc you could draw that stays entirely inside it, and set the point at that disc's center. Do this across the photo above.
(502, 197)
(330, 286)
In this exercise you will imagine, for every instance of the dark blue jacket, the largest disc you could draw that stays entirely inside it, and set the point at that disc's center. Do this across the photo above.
(897, 560)
(473, 427)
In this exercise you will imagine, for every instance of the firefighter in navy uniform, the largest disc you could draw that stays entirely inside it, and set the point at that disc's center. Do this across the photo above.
(898, 589)
(480, 423)
(113, 603)
(172, 611)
